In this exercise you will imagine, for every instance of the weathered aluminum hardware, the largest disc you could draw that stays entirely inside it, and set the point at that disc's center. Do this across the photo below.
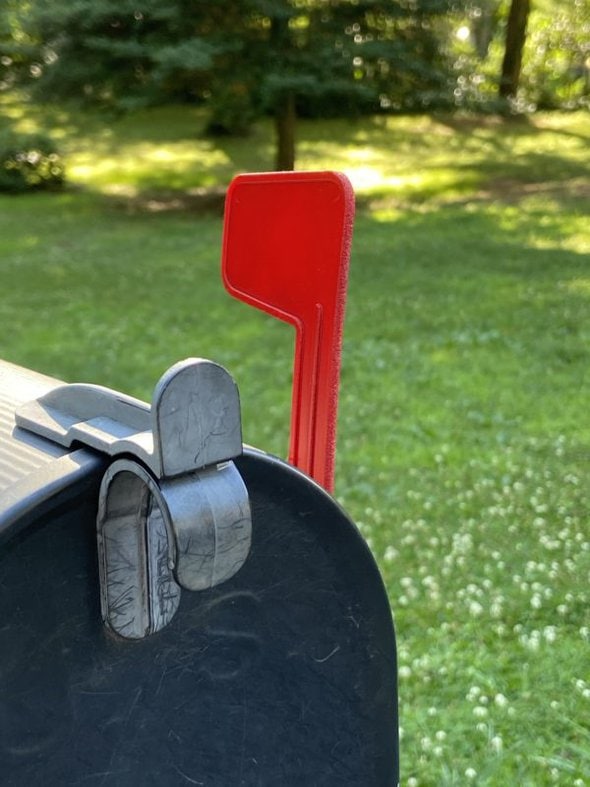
(194, 420)
(173, 509)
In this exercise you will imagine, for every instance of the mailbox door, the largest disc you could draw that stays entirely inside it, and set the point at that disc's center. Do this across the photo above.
(284, 675)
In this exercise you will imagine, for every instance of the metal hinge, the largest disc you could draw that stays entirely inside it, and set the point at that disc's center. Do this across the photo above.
(173, 509)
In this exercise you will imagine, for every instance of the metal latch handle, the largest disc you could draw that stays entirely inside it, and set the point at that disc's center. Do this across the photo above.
(173, 509)
(194, 420)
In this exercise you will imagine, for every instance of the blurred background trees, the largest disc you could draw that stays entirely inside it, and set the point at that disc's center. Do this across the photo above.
(522, 56)
(289, 58)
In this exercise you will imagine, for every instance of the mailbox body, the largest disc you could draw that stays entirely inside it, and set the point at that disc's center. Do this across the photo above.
(285, 674)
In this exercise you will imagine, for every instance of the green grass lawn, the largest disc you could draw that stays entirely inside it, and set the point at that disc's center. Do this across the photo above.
(464, 435)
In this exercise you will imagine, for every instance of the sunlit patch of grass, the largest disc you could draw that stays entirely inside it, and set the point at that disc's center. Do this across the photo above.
(413, 160)
(150, 166)
(159, 148)
(545, 222)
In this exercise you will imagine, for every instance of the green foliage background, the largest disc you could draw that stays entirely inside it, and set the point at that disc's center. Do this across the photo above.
(338, 58)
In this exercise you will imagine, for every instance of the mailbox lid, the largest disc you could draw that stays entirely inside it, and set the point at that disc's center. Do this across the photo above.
(35, 474)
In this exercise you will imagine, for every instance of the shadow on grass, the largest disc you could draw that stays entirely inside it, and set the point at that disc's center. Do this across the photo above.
(157, 161)
(416, 169)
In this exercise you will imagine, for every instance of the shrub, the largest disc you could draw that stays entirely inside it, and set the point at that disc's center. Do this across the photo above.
(232, 112)
(29, 162)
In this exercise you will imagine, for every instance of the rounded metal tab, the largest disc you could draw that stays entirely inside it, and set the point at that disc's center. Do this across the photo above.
(139, 594)
(195, 417)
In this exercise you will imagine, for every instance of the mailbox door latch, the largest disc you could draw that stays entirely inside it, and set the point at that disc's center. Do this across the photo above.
(173, 509)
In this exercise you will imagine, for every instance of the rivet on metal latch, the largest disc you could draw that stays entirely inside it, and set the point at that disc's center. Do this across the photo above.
(175, 512)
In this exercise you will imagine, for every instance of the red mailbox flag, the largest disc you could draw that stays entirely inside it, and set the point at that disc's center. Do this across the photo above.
(286, 249)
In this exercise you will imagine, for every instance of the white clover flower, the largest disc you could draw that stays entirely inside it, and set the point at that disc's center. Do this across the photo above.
(480, 711)
(390, 554)
(475, 609)
(470, 773)
(497, 743)
(550, 633)
(500, 700)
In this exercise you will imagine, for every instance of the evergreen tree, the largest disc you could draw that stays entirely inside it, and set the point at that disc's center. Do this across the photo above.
(247, 57)
(348, 55)
(120, 53)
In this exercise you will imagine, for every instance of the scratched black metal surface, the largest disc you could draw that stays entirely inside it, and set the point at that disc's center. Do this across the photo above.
(284, 675)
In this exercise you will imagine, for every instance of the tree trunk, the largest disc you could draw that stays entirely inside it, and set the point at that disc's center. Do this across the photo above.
(515, 38)
(285, 128)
